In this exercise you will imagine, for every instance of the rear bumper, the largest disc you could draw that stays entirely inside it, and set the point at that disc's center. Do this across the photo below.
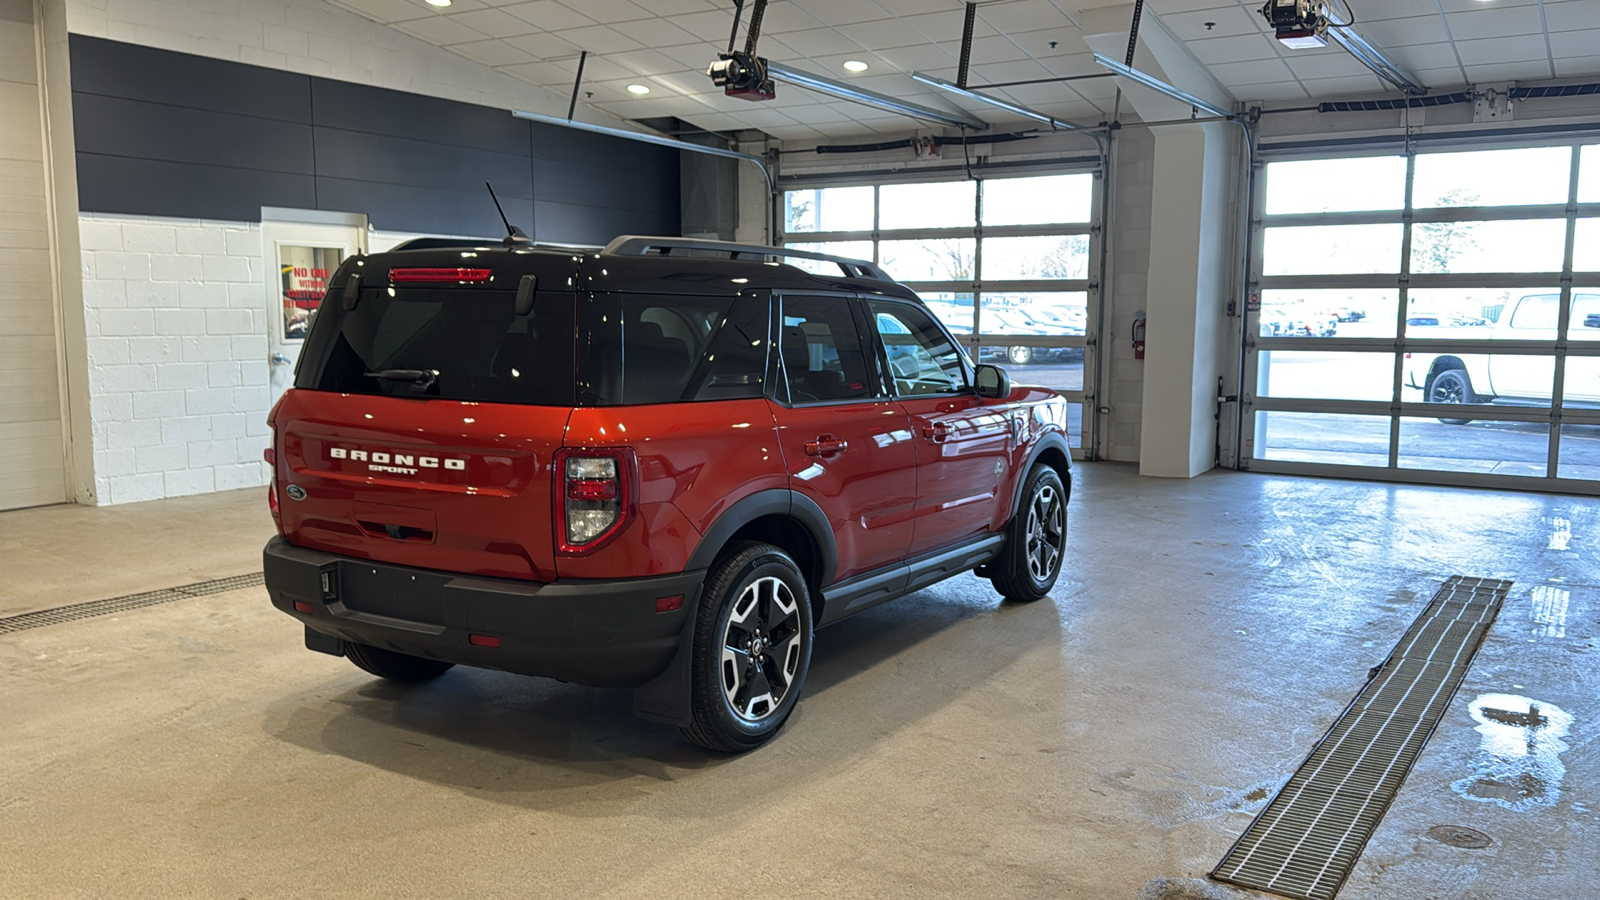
(602, 633)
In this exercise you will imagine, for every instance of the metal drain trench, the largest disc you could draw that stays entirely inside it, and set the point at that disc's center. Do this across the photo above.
(1307, 840)
(130, 601)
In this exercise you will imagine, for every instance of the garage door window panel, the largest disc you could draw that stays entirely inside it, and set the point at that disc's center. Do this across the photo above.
(1483, 447)
(1323, 312)
(1585, 322)
(848, 249)
(1330, 438)
(1580, 452)
(944, 204)
(1042, 200)
(1052, 257)
(1359, 184)
(828, 209)
(1474, 313)
(1529, 245)
(1589, 174)
(940, 259)
(1325, 375)
(1332, 249)
(1586, 246)
(1515, 177)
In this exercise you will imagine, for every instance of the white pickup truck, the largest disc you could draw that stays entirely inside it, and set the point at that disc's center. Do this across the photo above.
(1512, 379)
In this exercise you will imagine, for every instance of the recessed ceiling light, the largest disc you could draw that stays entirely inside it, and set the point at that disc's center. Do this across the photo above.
(638, 89)
(855, 65)
(438, 2)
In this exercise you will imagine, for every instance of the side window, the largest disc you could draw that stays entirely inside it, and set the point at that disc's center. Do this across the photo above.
(1536, 311)
(922, 358)
(822, 353)
(736, 365)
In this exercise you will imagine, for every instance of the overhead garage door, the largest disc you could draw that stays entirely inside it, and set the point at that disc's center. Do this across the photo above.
(31, 450)
(1007, 263)
(1431, 316)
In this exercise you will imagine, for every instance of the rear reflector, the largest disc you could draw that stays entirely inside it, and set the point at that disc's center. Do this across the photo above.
(302, 606)
(483, 640)
(272, 497)
(439, 276)
(668, 604)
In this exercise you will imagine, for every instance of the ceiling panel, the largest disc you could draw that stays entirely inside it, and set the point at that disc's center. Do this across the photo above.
(667, 45)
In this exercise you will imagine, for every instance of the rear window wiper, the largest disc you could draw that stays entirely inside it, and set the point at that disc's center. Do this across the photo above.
(419, 379)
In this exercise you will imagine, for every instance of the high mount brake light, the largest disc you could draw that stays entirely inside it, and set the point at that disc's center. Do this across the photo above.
(440, 276)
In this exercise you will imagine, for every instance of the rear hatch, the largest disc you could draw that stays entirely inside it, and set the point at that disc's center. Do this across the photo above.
(425, 416)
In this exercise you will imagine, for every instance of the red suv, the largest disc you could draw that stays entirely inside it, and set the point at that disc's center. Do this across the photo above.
(659, 466)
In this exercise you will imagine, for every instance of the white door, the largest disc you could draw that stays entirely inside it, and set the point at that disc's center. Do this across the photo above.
(299, 259)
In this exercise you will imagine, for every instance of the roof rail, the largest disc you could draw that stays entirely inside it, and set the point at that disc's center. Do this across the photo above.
(635, 245)
(439, 243)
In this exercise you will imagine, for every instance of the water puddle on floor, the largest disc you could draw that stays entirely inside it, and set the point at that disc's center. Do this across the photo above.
(1518, 762)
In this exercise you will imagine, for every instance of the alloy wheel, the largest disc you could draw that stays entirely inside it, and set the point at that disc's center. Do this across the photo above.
(761, 649)
(1046, 533)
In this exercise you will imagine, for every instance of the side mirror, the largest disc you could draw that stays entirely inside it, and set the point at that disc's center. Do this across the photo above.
(992, 382)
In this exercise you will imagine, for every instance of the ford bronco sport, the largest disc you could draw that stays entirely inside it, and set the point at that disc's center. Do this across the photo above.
(661, 465)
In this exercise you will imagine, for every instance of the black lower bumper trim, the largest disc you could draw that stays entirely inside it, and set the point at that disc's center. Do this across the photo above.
(601, 633)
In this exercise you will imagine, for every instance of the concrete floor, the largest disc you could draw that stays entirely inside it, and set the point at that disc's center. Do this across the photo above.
(1110, 742)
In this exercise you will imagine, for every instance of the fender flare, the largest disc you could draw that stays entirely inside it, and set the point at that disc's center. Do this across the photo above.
(1049, 440)
(773, 501)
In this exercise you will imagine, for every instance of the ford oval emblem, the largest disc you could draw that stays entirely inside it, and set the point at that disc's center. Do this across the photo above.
(295, 492)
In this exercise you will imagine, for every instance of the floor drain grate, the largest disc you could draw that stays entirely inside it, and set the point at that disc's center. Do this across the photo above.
(107, 607)
(1306, 841)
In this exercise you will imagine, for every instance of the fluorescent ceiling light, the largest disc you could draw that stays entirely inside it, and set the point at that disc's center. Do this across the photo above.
(994, 101)
(821, 84)
(855, 65)
(438, 2)
(638, 89)
(1157, 84)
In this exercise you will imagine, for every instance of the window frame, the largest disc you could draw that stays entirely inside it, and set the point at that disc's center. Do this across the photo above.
(967, 373)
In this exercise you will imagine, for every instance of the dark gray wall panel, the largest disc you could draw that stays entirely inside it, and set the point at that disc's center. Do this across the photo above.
(646, 184)
(114, 126)
(149, 187)
(394, 207)
(115, 69)
(573, 223)
(359, 107)
(165, 133)
(373, 157)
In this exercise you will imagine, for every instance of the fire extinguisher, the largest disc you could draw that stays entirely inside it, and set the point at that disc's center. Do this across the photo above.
(1138, 338)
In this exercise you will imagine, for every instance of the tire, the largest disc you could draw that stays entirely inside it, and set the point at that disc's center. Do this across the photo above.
(1036, 538)
(1451, 386)
(394, 666)
(1020, 356)
(754, 595)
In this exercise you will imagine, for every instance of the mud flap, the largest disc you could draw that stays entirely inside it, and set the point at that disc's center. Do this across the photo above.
(665, 698)
(323, 643)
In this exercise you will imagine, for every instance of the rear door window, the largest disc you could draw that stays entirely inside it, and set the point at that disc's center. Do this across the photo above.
(655, 348)
(447, 343)
(823, 355)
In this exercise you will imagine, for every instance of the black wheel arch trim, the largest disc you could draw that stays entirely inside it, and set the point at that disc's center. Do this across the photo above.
(1050, 440)
(771, 502)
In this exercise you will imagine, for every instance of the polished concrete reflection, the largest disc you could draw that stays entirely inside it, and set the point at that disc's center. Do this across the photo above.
(1109, 742)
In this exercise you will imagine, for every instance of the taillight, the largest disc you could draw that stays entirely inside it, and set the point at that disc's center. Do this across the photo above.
(596, 491)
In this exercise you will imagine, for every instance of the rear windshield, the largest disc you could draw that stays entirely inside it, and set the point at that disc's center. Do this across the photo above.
(603, 349)
(449, 344)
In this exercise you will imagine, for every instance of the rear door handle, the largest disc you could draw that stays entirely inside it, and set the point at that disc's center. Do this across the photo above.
(825, 445)
(937, 432)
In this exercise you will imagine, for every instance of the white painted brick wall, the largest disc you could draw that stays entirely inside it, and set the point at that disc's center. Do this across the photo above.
(176, 316)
